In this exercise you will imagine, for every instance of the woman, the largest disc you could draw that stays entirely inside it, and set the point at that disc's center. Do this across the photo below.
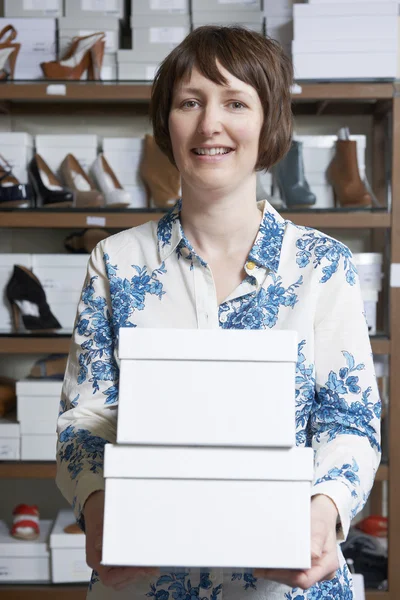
(221, 110)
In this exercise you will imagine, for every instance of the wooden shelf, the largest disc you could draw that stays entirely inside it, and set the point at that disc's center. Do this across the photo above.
(139, 91)
(57, 219)
(43, 592)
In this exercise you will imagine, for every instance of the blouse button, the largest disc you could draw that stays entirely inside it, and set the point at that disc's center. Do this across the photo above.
(223, 318)
(213, 576)
(250, 265)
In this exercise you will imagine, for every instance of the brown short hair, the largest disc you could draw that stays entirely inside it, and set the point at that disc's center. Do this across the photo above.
(257, 60)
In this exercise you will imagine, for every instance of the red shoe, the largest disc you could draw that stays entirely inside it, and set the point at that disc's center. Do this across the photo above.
(25, 522)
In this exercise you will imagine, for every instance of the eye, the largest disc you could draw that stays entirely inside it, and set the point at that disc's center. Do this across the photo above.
(189, 104)
(237, 105)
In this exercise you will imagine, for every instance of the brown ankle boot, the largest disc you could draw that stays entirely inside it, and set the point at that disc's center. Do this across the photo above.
(344, 175)
(161, 178)
(7, 395)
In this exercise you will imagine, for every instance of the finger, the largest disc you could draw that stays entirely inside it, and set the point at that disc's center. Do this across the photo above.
(291, 577)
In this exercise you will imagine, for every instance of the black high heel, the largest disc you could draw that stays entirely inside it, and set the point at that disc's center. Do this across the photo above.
(28, 300)
(47, 187)
(13, 193)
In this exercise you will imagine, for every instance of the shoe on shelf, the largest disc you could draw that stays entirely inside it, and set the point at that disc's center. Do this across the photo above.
(28, 300)
(50, 367)
(8, 399)
(107, 182)
(49, 192)
(85, 54)
(160, 176)
(261, 194)
(25, 522)
(13, 193)
(8, 52)
(86, 193)
(291, 180)
(85, 241)
(344, 176)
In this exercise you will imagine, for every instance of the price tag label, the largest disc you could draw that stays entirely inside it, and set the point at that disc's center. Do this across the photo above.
(6, 452)
(56, 89)
(98, 221)
(296, 89)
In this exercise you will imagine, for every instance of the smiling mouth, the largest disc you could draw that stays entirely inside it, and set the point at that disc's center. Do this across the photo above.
(212, 151)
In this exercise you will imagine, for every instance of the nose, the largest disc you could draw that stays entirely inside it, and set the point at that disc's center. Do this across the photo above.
(209, 121)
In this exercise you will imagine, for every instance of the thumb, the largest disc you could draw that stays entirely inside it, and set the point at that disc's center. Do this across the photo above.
(98, 544)
(317, 544)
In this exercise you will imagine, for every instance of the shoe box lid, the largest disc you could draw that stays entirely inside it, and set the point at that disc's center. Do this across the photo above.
(60, 539)
(222, 17)
(21, 8)
(150, 21)
(82, 140)
(62, 261)
(29, 27)
(9, 427)
(160, 7)
(39, 387)
(88, 23)
(15, 138)
(305, 11)
(367, 44)
(7, 261)
(123, 144)
(12, 547)
(226, 6)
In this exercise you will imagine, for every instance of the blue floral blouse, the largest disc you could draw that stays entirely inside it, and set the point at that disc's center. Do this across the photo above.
(296, 278)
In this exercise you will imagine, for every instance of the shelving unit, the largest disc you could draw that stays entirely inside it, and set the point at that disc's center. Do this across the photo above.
(374, 99)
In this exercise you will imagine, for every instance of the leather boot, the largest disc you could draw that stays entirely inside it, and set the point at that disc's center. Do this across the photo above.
(161, 178)
(7, 395)
(344, 176)
(291, 180)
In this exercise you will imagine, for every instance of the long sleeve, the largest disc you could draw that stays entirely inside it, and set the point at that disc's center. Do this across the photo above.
(87, 419)
(345, 419)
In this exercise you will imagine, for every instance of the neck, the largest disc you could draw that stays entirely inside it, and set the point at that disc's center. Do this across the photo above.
(218, 223)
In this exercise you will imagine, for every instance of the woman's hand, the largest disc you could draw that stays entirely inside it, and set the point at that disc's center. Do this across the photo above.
(116, 577)
(324, 558)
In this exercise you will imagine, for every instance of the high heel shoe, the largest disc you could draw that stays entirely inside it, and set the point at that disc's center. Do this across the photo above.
(344, 175)
(28, 301)
(86, 193)
(161, 178)
(8, 52)
(12, 192)
(291, 180)
(85, 54)
(108, 183)
(48, 190)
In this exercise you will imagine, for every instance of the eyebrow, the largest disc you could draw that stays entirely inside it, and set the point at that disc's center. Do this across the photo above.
(227, 91)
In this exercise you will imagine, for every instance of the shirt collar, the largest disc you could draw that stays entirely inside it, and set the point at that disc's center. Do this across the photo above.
(265, 252)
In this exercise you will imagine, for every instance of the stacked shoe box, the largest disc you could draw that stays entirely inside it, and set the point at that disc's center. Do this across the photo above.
(53, 148)
(228, 12)
(24, 561)
(38, 44)
(345, 40)
(10, 438)
(157, 27)
(7, 262)
(124, 156)
(38, 403)
(279, 22)
(369, 268)
(17, 149)
(318, 151)
(207, 452)
(62, 277)
(92, 16)
(68, 555)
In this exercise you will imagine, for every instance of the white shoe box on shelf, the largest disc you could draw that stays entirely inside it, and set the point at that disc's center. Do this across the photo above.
(109, 68)
(38, 447)
(7, 262)
(280, 29)
(38, 404)
(214, 367)
(9, 439)
(25, 561)
(54, 148)
(159, 7)
(60, 272)
(68, 555)
(33, 8)
(138, 195)
(318, 151)
(226, 5)
(157, 34)
(278, 8)
(64, 305)
(251, 20)
(94, 8)
(69, 27)
(208, 489)
(369, 267)
(136, 71)
(17, 149)
(370, 299)
(124, 156)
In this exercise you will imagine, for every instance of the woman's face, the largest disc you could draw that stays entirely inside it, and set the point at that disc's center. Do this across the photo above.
(215, 131)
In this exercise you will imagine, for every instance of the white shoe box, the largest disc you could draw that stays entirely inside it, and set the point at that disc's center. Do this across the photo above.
(54, 148)
(159, 35)
(370, 299)
(137, 71)
(17, 149)
(36, 36)
(124, 156)
(109, 69)
(250, 20)
(33, 8)
(350, 8)
(159, 7)
(64, 306)
(226, 5)
(71, 27)
(60, 272)
(25, 561)
(39, 447)
(28, 65)
(122, 144)
(280, 29)
(38, 403)
(7, 262)
(138, 195)
(9, 440)
(214, 368)
(209, 490)
(278, 8)
(68, 554)
(94, 8)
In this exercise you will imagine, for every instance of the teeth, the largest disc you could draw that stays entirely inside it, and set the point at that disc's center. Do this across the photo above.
(212, 151)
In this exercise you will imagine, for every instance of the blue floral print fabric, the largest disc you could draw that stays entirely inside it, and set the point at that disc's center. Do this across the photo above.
(296, 278)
